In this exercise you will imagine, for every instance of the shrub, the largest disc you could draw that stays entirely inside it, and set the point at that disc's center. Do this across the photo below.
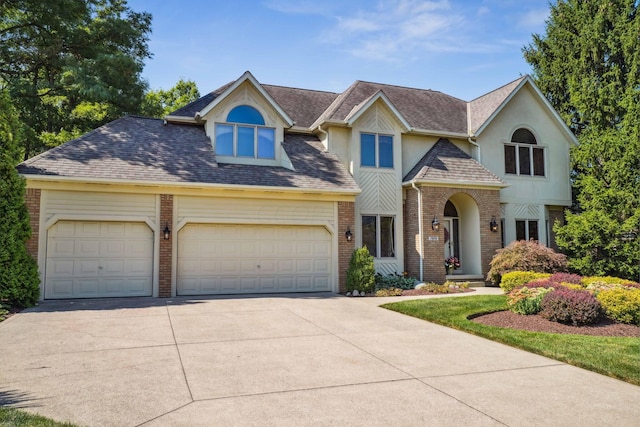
(566, 278)
(570, 306)
(389, 292)
(621, 304)
(394, 280)
(516, 279)
(525, 256)
(361, 272)
(456, 285)
(586, 281)
(526, 300)
(435, 288)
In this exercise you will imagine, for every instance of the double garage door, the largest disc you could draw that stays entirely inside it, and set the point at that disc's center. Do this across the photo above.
(233, 258)
(93, 259)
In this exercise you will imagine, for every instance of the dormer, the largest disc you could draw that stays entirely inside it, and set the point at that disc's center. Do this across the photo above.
(246, 125)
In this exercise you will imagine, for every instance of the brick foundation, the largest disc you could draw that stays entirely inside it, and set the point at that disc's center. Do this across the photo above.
(346, 219)
(166, 218)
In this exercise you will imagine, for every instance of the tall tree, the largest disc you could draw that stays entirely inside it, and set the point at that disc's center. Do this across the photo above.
(159, 103)
(71, 65)
(19, 281)
(588, 66)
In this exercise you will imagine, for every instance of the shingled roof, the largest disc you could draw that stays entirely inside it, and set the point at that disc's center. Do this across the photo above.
(445, 163)
(143, 149)
(480, 109)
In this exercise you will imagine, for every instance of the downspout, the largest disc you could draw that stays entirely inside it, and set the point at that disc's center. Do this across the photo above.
(421, 251)
(326, 134)
(472, 142)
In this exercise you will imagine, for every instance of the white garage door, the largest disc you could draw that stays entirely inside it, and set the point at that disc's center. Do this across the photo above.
(229, 259)
(92, 259)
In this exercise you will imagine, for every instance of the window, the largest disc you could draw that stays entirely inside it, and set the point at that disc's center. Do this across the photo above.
(522, 156)
(527, 229)
(376, 150)
(244, 135)
(378, 235)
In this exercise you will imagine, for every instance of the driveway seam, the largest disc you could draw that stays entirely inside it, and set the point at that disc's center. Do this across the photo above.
(184, 373)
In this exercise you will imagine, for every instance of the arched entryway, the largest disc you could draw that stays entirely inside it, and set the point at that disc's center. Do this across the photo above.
(461, 222)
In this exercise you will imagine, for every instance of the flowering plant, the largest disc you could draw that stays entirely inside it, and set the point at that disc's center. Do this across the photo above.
(452, 262)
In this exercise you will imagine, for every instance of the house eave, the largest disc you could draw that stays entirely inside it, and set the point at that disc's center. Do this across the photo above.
(455, 184)
(34, 180)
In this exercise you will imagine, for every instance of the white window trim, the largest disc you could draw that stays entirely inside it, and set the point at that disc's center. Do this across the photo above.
(377, 151)
(255, 140)
(531, 147)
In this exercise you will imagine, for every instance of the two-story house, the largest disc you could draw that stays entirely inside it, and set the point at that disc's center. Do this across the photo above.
(256, 188)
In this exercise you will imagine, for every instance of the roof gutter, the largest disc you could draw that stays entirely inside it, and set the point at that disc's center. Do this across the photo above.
(421, 236)
(472, 142)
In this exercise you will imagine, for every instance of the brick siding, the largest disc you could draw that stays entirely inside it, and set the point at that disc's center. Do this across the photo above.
(433, 202)
(346, 218)
(166, 218)
(32, 200)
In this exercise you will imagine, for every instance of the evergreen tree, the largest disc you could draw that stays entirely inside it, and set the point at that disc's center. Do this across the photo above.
(19, 281)
(361, 272)
(588, 66)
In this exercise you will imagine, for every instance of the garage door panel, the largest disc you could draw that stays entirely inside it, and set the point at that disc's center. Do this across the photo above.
(253, 258)
(87, 259)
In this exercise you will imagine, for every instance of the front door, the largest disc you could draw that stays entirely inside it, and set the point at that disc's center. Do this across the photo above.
(451, 238)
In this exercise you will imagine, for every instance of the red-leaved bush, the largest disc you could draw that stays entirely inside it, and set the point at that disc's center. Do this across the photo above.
(566, 278)
(523, 255)
(570, 306)
(541, 283)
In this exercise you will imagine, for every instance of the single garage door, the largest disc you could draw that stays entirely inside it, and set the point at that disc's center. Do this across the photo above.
(229, 259)
(94, 259)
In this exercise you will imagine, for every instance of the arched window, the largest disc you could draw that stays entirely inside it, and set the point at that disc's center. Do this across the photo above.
(244, 135)
(522, 155)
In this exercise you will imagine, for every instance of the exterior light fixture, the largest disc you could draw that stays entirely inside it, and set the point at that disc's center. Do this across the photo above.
(166, 231)
(435, 224)
(493, 225)
(348, 234)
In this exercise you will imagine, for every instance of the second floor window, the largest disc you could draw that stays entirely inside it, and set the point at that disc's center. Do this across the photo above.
(376, 150)
(245, 135)
(523, 156)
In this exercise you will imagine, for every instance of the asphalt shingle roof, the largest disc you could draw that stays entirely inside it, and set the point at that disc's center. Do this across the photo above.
(446, 163)
(143, 149)
(480, 109)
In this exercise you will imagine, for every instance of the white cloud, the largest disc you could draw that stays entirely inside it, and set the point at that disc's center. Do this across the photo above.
(534, 18)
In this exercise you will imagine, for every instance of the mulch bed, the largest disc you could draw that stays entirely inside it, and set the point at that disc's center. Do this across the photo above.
(413, 292)
(536, 323)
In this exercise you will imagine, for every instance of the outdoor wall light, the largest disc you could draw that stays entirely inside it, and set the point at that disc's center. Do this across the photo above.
(493, 225)
(348, 234)
(166, 231)
(435, 224)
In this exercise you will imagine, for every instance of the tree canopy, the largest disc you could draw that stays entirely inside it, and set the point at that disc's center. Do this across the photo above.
(588, 65)
(159, 103)
(71, 65)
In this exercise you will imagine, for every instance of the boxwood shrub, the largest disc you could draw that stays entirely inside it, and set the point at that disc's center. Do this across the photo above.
(570, 306)
(516, 279)
(621, 304)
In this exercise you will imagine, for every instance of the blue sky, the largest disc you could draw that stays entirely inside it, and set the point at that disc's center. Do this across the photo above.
(464, 48)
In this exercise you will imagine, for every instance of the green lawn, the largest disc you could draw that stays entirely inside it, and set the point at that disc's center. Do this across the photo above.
(14, 418)
(617, 357)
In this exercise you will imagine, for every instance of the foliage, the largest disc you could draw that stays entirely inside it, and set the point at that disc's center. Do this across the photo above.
(586, 281)
(514, 279)
(18, 418)
(613, 356)
(566, 278)
(526, 300)
(71, 65)
(361, 272)
(456, 285)
(159, 103)
(394, 280)
(389, 292)
(451, 262)
(19, 280)
(524, 255)
(621, 304)
(588, 67)
(570, 306)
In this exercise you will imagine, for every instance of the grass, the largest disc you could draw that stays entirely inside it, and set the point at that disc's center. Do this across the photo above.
(617, 357)
(10, 417)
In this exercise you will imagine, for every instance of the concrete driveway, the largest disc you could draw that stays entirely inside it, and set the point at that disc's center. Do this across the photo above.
(318, 359)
